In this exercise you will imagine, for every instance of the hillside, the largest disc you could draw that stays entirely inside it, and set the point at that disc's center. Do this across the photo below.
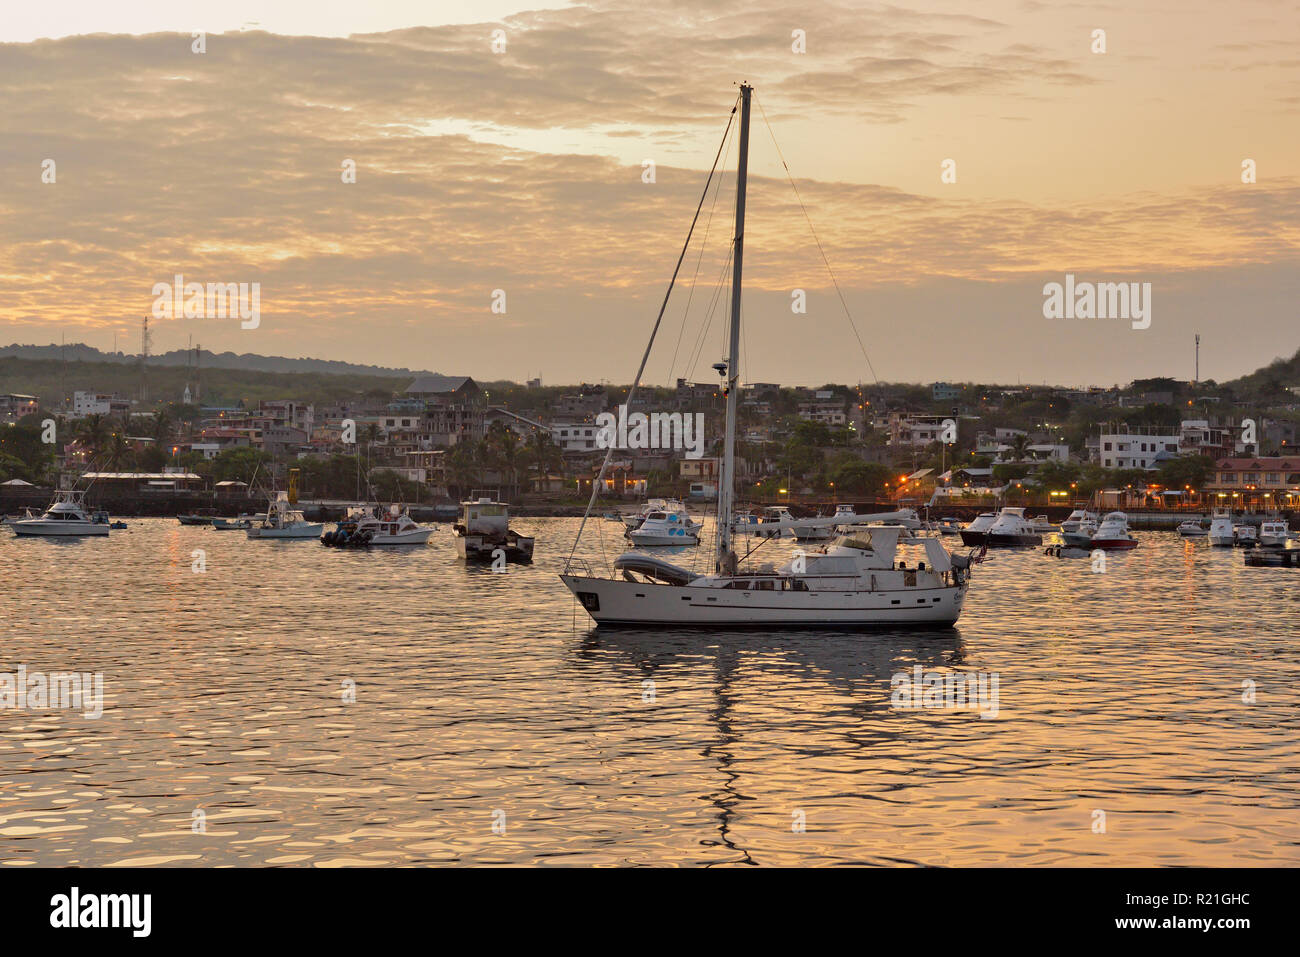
(49, 379)
(207, 360)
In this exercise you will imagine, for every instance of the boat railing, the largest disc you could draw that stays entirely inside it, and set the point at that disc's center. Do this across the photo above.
(578, 567)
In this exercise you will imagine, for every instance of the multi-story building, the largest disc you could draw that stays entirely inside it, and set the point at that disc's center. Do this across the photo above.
(945, 392)
(297, 415)
(14, 406)
(1257, 483)
(574, 436)
(826, 412)
(1137, 449)
(453, 409)
(98, 403)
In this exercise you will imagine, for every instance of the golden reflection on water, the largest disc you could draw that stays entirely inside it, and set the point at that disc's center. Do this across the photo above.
(492, 724)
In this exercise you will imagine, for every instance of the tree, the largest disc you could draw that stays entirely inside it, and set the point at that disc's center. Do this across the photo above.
(93, 433)
(1186, 470)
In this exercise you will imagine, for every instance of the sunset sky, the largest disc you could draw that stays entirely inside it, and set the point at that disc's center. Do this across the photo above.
(522, 171)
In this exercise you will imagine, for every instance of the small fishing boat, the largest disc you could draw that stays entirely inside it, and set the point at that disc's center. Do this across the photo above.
(665, 528)
(1113, 533)
(1081, 535)
(949, 526)
(484, 533)
(1192, 529)
(232, 524)
(633, 521)
(66, 517)
(1221, 533)
(1245, 536)
(201, 516)
(1075, 518)
(366, 526)
(284, 522)
(1273, 534)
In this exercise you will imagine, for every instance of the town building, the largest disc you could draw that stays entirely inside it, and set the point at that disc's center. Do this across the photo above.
(1255, 483)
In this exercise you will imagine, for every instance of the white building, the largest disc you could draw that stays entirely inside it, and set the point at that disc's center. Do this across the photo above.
(1136, 450)
(91, 403)
(575, 437)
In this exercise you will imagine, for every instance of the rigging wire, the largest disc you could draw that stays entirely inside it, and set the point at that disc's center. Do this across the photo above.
(595, 486)
(848, 315)
(708, 224)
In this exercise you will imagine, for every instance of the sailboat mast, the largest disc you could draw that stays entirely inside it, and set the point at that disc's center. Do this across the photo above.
(727, 478)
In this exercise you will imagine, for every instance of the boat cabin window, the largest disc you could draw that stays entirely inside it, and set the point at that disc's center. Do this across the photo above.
(860, 540)
(796, 584)
(738, 584)
(765, 585)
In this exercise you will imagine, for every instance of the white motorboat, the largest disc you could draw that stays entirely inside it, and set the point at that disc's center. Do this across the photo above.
(774, 521)
(1192, 529)
(1012, 530)
(813, 534)
(374, 525)
(484, 533)
(66, 517)
(284, 522)
(1075, 518)
(1113, 533)
(1274, 534)
(666, 528)
(856, 581)
(1221, 534)
(633, 522)
(1081, 535)
(1245, 536)
(949, 526)
(1042, 525)
(977, 532)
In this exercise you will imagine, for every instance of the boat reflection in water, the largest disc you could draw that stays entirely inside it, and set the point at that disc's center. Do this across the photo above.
(736, 677)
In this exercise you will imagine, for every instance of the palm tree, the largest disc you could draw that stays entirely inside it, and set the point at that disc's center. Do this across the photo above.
(542, 454)
(1020, 446)
(93, 433)
(117, 451)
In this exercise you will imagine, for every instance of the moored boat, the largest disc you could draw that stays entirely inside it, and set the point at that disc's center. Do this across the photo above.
(1192, 529)
(977, 532)
(665, 528)
(283, 521)
(484, 533)
(1113, 533)
(1221, 533)
(66, 517)
(1273, 534)
(1012, 530)
(1245, 536)
(366, 525)
(855, 581)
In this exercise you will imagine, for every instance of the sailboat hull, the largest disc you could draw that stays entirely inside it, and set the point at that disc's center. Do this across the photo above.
(615, 603)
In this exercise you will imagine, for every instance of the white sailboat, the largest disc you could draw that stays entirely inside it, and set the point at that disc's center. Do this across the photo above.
(855, 581)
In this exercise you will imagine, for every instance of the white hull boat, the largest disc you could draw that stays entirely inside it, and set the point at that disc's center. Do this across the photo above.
(66, 517)
(484, 533)
(283, 522)
(365, 527)
(856, 581)
(1273, 534)
(1192, 530)
(666, 528)
(1221, 534)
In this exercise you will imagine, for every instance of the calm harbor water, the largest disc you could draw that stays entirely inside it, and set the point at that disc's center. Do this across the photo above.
(492, 725)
